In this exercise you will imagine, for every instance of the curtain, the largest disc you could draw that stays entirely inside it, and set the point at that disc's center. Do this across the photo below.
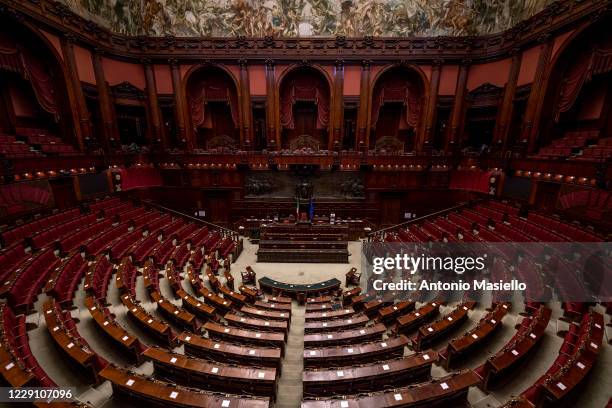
(211, 90)
(304, 88)
(587, 65)
(19, 59)
(398, 91)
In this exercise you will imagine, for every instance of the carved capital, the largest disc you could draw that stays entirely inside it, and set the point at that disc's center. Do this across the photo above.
(366, 64)
(146, 61)
(269, 41)
(438, 62)
(173, 62)
(70, 38)
(241, 41)
(544, 38)
(243, 63)
(339, 63)
(340, 41)
(270, 63)
(368, 41)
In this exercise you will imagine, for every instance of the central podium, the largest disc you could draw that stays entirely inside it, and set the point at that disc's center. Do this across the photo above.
(303, 242)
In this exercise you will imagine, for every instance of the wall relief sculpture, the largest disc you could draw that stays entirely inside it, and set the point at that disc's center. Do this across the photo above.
(320, 185)
(306, 18)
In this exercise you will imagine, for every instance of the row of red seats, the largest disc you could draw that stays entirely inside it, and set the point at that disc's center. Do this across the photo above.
(159, 223)
(555, 152)
(198, 237)
(16, 150)
(146, 218)
(523, 339)
(597, 202)
(172, 228)
(98, 244)
(19, 193)
(568, 284)
(595, 153)
(29, 229)
(66, 282)
(126, 277)
(27, 283)
(186, 231)
(15, 338)
(131, 214)
(104, 204)
(97, 278)
(180, 255)
(197, 259)
(110, 212)
(120, 248)
(474, 217)
(226, 246)
(59, 231)
(73, 241)
(67, 323)
(547, 229)
(161, 253)
(212, 240)
(572, 232)
(61, 149)
(585, 338)
(141, 249)
(9, 258)
(503, 207)
(7, 139)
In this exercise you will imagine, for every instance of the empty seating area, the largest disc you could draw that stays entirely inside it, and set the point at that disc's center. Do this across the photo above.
(42, 140)
(315, 204)
(356, 347)
(578, 145)
(73, 247)
(29, 143)
(13, 149)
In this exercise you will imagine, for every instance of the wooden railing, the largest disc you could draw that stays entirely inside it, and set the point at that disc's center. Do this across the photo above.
(422, 218)
(191, 218)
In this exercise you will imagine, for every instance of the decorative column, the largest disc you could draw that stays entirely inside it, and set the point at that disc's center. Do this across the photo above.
(363, 114)
(430, 115)
(84, 129)
(531, 121)
(155, 125)
(273, 134)
(247, 112)
(502, 125)
(109, 125)
(184, 135)
(458, 113)
(338, 109)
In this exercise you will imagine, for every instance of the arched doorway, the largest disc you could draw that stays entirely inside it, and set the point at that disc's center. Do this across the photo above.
(212, 99)
(578, 98)
(397, 106)
(305, 100)
(34, 104)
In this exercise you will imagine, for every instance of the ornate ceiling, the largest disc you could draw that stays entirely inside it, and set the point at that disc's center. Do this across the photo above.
(304, 18)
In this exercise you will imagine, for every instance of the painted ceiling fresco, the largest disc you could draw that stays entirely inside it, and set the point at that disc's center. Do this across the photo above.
(304, 18)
